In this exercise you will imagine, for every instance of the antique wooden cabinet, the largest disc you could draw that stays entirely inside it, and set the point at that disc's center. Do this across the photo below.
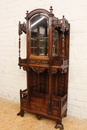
(46, 65)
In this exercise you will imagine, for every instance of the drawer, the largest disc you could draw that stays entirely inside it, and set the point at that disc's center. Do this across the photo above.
(39, 108)
(55, 112)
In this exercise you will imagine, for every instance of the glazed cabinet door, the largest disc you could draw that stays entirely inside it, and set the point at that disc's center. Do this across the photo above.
(39, 35)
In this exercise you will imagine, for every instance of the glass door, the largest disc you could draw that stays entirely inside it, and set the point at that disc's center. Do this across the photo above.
(39, 35)
(55, 43)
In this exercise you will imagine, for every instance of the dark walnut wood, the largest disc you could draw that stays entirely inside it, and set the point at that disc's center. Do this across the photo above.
(46, 65)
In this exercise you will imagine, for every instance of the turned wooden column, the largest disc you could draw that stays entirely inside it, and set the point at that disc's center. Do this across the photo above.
(63, 37)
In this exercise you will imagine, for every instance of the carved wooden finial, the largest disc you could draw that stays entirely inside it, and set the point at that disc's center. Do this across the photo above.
(63, 16)
(27, 12)
(51, 12)
(57, 20)
(51, 9)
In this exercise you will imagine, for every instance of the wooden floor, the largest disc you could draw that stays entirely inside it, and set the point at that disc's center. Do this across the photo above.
(10, 121)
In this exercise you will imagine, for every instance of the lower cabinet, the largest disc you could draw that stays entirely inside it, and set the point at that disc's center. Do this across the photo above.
(40, 105)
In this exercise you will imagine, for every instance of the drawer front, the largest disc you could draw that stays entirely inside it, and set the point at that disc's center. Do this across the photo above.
(42, 109)
(38, 108)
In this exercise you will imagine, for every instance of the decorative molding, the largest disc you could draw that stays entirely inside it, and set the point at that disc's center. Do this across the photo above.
(38, 69)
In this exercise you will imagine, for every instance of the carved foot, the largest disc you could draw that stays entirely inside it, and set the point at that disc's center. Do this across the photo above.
(65, 114)
(21, 113)
(59, 126)
(39, 116)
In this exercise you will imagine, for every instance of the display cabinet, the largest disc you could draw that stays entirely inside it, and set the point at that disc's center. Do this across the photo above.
(46, 65)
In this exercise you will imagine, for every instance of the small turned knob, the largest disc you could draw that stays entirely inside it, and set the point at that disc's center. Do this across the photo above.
(51, 10)
(49, 112)
(27, 12)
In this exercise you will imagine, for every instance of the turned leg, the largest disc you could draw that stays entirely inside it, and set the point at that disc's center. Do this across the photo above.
(60, 126)
(21, 113)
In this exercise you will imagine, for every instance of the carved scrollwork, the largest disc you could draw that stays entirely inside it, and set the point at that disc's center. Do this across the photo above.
(56, 23)
(65, 24)
(38, 69)
(22, 28)
(61, 23)
(26, 68)
(63, 70)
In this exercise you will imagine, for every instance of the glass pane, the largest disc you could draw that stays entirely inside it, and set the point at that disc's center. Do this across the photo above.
(39, 35)
(55, 43)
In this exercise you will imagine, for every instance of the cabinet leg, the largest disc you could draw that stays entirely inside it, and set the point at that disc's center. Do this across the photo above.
(38, 116)
(65, 114)
(21, 113)
(59, 126)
